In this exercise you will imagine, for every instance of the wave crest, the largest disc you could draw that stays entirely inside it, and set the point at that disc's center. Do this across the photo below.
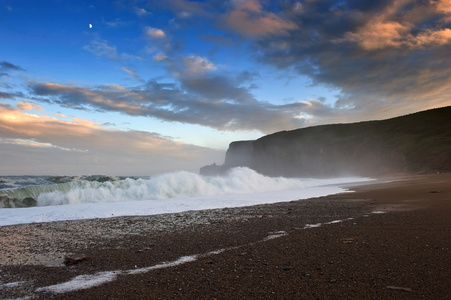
(172, 185)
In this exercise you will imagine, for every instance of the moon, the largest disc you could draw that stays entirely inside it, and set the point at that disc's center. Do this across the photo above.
(90, 25)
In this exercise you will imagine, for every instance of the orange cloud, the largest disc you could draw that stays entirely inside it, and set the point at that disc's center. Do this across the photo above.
(25, 125)
(379, 34)
(96, 96)
(430, 37)
(82, 146)
(248, 18)
(29, 106)
(388, 30)
(442, 6)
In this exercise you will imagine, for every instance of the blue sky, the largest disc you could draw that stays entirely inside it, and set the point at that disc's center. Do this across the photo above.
(141, 87)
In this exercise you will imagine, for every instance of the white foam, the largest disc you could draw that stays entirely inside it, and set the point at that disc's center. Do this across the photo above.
(179, 261)
(172, 185)
(81, 282)
(275, 235)
(308, 226)
(171, 193)
(337, 221)
(12, 284)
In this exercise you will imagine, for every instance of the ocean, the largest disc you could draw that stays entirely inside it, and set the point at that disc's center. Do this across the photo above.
(29, 199)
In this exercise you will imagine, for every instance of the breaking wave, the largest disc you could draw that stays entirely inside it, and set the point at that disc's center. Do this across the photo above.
(71, 190)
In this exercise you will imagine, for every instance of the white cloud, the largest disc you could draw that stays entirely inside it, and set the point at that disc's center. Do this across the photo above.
(155, 33)
(140, 11)
(197, 64)
(160, 57)
(101, 48)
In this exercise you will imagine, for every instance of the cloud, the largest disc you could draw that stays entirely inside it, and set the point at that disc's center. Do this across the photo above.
(101, 47)
(199, 97)
(34, 144)
(155, 33)
(390, 29)
(160, 57)
(31, 144)
(29, 106)
(248, 18)
(196, 64)
(140, 11)
(6, 66)
(383, 58)
(186, 9)
(117, 23)
(442, 6)
(132, 73)
(380, 34)
(4, 95)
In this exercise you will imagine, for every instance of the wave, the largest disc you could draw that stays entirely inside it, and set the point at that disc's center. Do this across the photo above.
(89, 189)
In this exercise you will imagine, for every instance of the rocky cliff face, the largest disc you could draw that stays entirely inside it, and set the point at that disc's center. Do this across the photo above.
(419, 142)
(239, 154)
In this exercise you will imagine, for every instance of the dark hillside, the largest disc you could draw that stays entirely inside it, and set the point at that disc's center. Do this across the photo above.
(415, 143)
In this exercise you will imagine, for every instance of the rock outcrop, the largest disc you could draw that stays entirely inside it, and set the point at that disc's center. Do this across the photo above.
(415, 143)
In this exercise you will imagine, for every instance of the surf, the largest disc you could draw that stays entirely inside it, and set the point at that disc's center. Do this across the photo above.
(180, 184)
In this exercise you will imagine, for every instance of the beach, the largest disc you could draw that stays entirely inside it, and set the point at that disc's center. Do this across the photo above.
(389, 239)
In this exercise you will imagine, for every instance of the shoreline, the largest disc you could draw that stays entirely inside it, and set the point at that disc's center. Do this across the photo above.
(107, 205)
(327, 247)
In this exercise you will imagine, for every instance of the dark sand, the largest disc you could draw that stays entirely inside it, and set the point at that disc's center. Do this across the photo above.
(268, 251)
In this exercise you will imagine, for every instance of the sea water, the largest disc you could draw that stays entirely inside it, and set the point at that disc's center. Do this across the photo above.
(28, 199)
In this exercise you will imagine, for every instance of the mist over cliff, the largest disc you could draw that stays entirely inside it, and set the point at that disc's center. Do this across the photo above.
(415, 143)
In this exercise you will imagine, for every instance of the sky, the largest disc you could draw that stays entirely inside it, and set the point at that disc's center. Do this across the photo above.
(134, 87)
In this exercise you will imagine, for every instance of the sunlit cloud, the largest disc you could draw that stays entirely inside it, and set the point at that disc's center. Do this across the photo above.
(155, 33)
(442, 6)
(133, 73)
(196, 64)
(83, 145)
(248, 18)
(206, 99)
(33, 143)
(380, 34)
(400, 26)
(383, 58)
(29, 106)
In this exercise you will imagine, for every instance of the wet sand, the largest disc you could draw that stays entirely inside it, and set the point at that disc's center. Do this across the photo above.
(387, 240)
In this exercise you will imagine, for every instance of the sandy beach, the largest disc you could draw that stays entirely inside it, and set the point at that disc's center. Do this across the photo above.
(387, 240)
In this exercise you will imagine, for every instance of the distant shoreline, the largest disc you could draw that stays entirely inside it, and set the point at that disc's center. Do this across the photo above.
(386, 240)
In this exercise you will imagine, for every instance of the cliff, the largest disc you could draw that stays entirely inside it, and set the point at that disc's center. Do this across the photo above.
(415, 143)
